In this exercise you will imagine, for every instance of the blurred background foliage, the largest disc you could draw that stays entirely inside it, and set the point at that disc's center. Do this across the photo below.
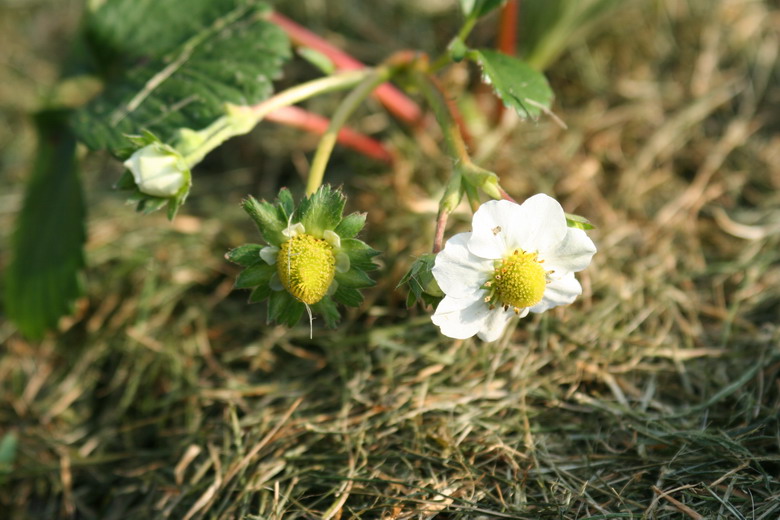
(655, 395)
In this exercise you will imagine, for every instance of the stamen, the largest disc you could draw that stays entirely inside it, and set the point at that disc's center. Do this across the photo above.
(518, 281)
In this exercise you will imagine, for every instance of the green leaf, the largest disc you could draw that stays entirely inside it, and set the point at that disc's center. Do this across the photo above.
(285, 309)
(478, 8)
(43, 278)
(360, 254)
(267, 219)
(348, 296)
(328, 310)
(577, 221)
(321, 211)
(351, 225)
(256, 275)
(354, 278)
(246, 255)
(189, 59)
(518, 85)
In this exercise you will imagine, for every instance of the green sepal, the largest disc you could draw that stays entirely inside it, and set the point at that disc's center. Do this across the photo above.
(125, 182)
(260, 293)
(354, 278)
(246, 255)
(360, 254)
(326, 307)
(431, 300)
(175, 203)
(284, 309)
(348, 296)
(421, 282)
(321, 211)
(579, 222)
(411, 299)
(259, 274)
(286, 203)
(267, 219)
(146, 204)
(351, 225)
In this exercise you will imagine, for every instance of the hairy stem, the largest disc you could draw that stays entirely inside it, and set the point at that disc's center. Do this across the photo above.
(373, 78)
(441, 224)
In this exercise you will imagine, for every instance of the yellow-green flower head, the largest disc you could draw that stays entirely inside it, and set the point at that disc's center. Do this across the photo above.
(518, 281)
(312, 259)
(518, 258)
(306, 267)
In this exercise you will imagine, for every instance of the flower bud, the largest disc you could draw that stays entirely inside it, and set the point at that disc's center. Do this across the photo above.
(158, 170)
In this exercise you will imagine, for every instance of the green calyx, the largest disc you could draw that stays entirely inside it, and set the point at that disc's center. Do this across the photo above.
(518, 281)
(306, 266)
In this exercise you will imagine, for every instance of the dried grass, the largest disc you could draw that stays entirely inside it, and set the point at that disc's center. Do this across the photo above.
(656, 395)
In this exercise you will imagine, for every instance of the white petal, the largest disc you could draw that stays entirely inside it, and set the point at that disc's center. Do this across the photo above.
(540, 223)
(573, 253)
(157, 170)
(490, 227)
(460, 318)
(269, 254)
(342, 262)
(495, 324)
(457, 271)
(294, 230)
(162, 185)
(332, 238)
(559, 292)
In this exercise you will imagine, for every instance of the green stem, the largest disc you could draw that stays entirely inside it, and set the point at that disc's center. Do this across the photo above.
(309, 89)
(453, 139)
(195, 145)
(372, 79)
(459, 41)
(466, 176)
(465, 30)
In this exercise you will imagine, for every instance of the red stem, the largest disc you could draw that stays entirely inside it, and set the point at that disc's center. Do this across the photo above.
(507, 38)
(507, 30)
(317, 124)
(393, 99)
(441, 223)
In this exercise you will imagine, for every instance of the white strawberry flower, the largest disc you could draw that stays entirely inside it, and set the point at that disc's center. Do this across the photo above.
(518, 258)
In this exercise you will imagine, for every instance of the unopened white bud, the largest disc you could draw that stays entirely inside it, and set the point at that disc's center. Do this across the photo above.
(158, 170)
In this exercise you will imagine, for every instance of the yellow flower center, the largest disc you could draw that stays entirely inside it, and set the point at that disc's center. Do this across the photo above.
(306, 267)
(518, 281)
